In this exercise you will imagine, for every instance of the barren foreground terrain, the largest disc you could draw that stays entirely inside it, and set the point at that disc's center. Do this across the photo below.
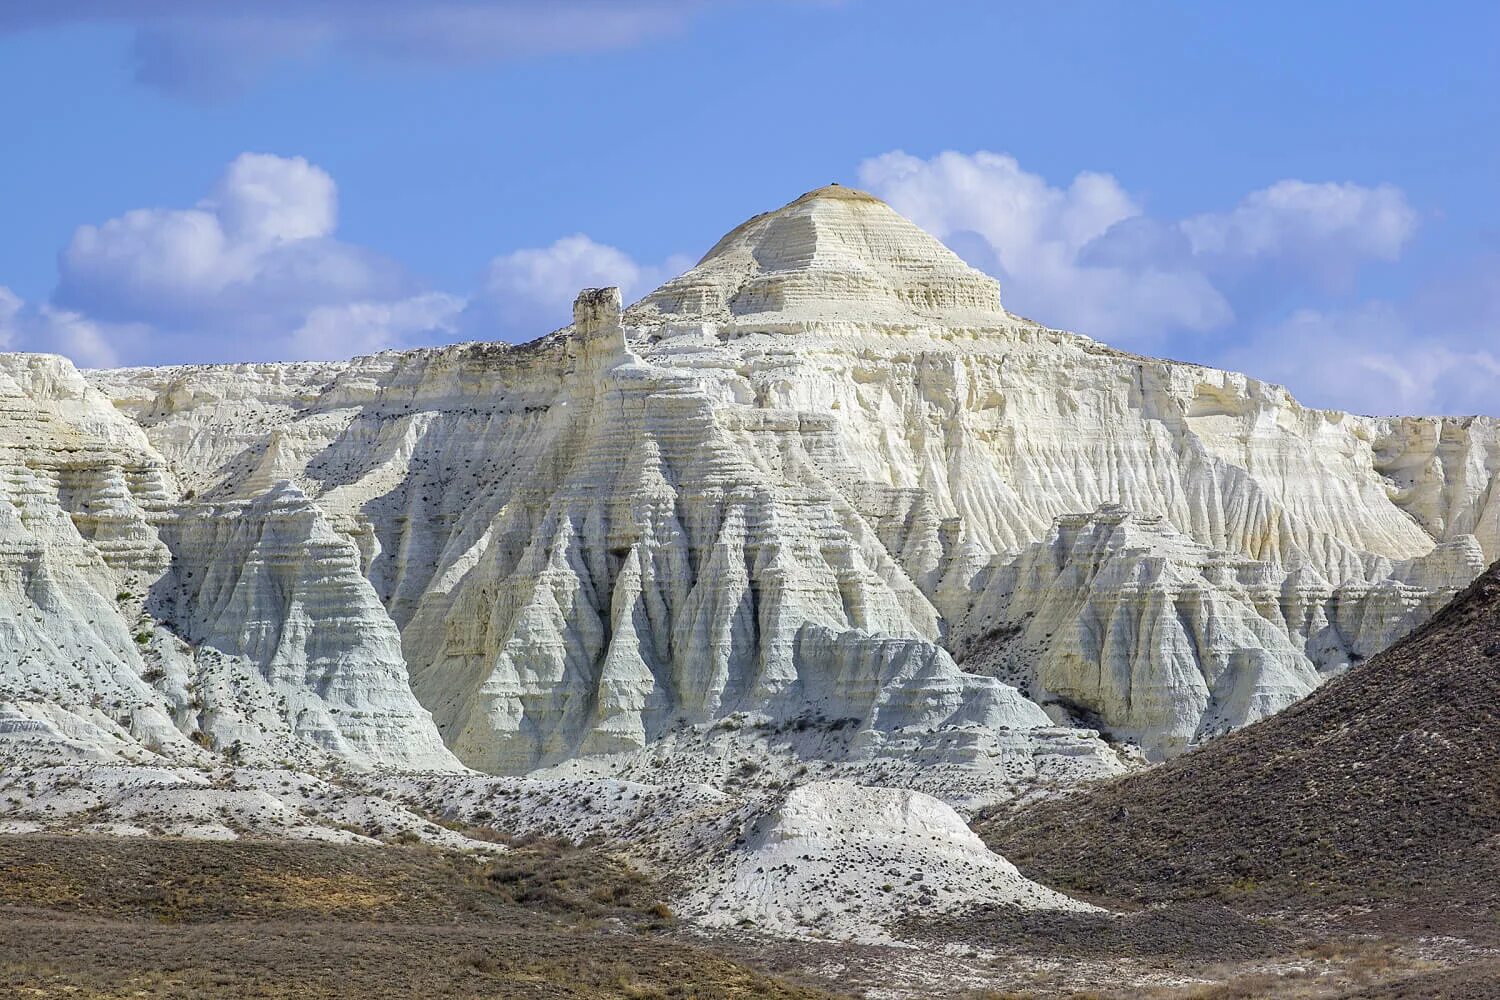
(103, 917)
(96, 917)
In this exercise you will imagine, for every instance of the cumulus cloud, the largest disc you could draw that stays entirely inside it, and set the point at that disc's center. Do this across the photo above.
(254, 271)
(989, 194)
(531, 291)
(1436, 351)
(1088, 257)
(28, 326)
(1265, 286)
(271, 199)
(353, 328)
(207, 49)
(1297, 218)
(10, 313)
(1037, 239)
(88, 343)
(1374, 358)
(260, 246)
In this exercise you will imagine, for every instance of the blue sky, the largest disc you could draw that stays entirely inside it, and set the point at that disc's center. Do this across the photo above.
(1303, 191)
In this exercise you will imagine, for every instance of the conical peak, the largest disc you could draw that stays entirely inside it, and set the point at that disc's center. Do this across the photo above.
(832, 255)
(806, 204)
(837, 192)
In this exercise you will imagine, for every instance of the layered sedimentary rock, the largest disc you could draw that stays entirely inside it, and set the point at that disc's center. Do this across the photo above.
(793, 483)
(1120, 616)
(139, 624)
(270, 582)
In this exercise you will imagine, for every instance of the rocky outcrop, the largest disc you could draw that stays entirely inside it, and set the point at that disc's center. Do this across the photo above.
(1119, 617)
(1445, 473)
(823, 472)
(139, 624)
(656, 569)
(835, 258)
(271, 583)
(1380, 791)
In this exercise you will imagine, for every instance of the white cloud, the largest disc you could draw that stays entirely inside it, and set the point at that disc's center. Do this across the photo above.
(1373, 358)
(1323, 232)
(1297, 218)
(529, 292)
(254, 271)
(1016, 212)
(1038, 238)
(27, 326)
(252, 267)
(211, 48)
(260, 246)
(1437, 351)
(10, 314)
(151, 254)
(1088, 257)
(89, 344)
(263, 199)
(1262, 287)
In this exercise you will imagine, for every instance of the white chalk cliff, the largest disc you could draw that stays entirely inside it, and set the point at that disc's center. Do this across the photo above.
(822, 475)
(139, 624)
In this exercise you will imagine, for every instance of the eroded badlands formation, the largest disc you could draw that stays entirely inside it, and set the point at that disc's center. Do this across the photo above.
(820, 502)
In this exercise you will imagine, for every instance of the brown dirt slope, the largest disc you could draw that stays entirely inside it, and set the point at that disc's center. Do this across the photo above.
(93, 917)
(1382, 788)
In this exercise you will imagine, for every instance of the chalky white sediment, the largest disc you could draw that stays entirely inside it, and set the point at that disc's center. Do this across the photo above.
(793, 482)
(758, 571)
(843, 861)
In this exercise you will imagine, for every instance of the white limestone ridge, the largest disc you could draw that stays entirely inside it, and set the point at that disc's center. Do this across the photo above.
(139, 625)
(1119, 616)
(788, 485)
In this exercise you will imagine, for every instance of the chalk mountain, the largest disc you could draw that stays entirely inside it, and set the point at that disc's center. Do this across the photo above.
(823, 479)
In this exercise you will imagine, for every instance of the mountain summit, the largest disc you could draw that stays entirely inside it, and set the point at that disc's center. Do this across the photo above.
(821, 478)
(833, 256)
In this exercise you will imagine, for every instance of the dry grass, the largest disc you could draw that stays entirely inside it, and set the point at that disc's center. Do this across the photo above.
(93, 917)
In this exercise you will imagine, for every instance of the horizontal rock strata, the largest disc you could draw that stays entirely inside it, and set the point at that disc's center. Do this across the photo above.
(823, 474)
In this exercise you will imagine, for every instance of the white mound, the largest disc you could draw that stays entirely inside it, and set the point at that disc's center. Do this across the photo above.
(839, 860)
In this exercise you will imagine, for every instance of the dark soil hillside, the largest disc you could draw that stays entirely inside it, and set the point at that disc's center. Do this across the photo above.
(94, 917)
(1381, 789)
